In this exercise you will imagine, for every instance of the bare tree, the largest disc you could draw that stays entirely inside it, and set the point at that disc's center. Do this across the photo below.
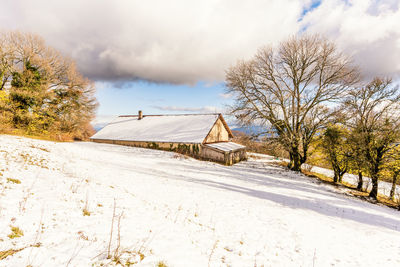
(374, 118)
(7, 59)
(288, 88)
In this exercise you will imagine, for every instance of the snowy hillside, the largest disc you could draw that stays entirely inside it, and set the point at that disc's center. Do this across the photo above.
(57, 199)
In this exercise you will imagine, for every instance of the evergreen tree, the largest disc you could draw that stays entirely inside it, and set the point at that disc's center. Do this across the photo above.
(41, 91)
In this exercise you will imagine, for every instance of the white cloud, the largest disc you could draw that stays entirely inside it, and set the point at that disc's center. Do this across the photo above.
(177, 41)
(206, 109)
(366, 29)
(186, 41)
(226, 96)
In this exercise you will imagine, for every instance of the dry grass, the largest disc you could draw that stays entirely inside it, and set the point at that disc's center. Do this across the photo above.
(34, 160)
(280, 163)
(266, 146)
(4, 254)
(12, 180)
(15, 232)
(40, 148)
(180, 156)
(316, 157)
(62, 137)
(319, 176)
(387, 201)
(161, 264)
(10, 252)
(254, 156)
(86, 212)
(382, 199)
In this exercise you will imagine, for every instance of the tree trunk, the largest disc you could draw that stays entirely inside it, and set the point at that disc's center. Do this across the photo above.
(295, 160)
(290, 165)
(374, 192)
(340, 178)
(335, 178)
(360, 181)
(336, 172)
(393, 189)
(375, 175)
(304, 157)
(296, 163)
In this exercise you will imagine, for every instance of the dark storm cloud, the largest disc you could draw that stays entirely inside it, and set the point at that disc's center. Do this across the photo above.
(183, 41)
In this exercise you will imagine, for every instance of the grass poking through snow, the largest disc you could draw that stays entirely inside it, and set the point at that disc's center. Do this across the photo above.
(15, 232)
(12, 180)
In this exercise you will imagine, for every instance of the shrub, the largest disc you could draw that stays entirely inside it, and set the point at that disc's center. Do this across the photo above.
(161, 264)
(15, 232)
(15, 181)
(86, 212)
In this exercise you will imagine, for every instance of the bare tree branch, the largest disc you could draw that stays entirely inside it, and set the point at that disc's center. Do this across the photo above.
(288, 88)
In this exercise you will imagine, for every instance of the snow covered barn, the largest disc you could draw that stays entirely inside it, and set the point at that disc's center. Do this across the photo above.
(203, 136)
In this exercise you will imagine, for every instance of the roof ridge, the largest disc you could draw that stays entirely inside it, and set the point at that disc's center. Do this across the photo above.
(160, 115)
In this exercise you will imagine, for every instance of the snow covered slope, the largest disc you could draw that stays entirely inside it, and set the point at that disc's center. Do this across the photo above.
(180, 211)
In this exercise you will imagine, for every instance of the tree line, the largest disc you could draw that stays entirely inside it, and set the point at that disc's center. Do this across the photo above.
(41, 91)
(308, 92)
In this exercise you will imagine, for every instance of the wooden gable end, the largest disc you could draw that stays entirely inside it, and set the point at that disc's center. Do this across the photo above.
(219, 132)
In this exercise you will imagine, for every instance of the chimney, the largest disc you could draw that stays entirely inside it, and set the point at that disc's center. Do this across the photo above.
(140, 115)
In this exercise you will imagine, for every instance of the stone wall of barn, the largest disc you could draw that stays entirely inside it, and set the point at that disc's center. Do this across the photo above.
(212, 154)
(227, 157)
(194, 150)
(235, 156)
(183, 148)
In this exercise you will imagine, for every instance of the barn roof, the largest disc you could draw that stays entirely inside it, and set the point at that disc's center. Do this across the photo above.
(185, 128)
(226, 146)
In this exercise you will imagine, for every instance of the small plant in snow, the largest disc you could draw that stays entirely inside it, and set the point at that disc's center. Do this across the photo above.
(212, 252)
(28, 193)
(86, 212)
(15, 232)
(161, 264)
(12, 180)
(117, 255)
(83, 236)
(10, 252)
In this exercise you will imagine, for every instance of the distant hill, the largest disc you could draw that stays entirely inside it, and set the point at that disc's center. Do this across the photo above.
(98, 127)
(100, 121)
(253, 130)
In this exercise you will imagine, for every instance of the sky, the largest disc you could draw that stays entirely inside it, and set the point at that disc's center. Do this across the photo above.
(171, 56)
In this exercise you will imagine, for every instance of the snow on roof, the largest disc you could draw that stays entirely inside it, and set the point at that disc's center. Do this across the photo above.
(226, 146)
(191, 128)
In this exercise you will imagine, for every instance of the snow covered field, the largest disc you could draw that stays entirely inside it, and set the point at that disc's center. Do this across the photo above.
(179, 211)
(384, 187)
